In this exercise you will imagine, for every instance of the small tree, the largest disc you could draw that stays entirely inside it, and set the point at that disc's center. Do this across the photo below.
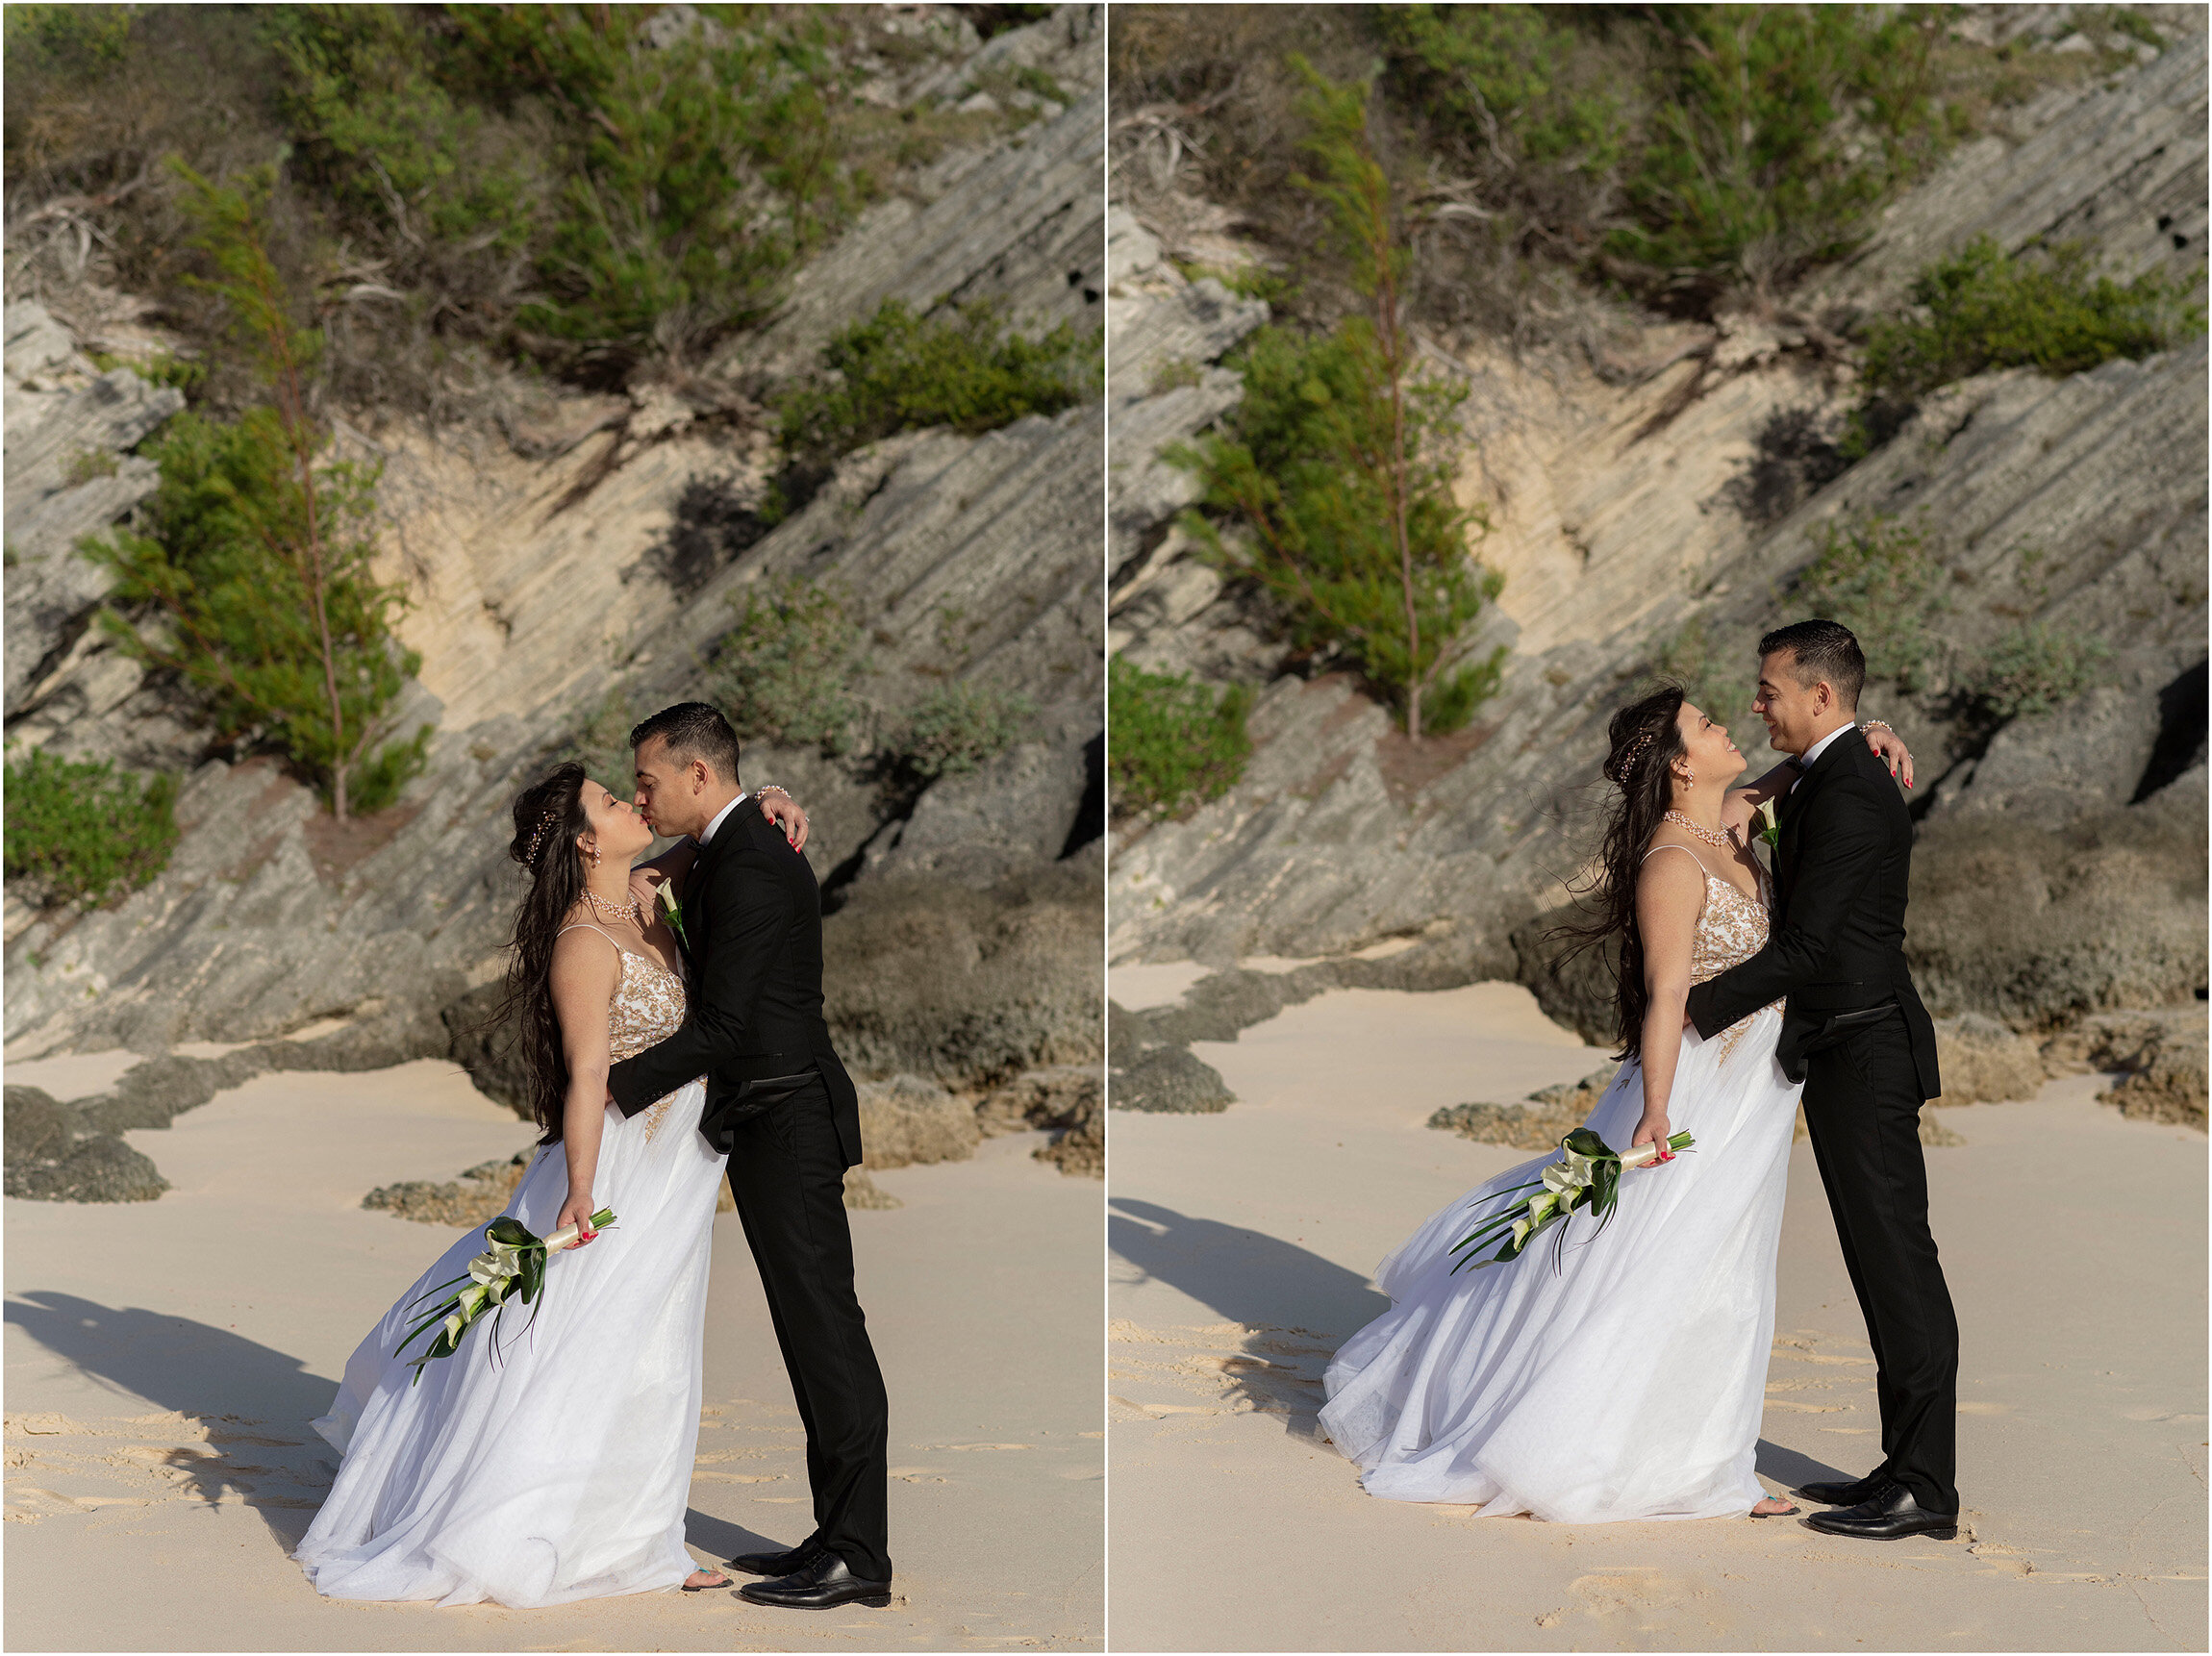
(251, 572)
(1339, 464)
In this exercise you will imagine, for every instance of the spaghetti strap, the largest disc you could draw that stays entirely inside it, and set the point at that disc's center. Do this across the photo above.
(587, 926)
(1670, 845)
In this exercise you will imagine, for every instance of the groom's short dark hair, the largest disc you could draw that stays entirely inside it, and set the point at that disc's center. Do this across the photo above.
(694, 730)
(1822, 650)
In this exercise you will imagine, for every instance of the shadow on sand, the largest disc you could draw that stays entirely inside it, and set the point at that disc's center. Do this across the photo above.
(235, 1384)
(1244, 1275)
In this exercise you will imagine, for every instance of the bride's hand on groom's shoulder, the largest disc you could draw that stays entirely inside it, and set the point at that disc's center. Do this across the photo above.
(1891, 751)
(781, 808)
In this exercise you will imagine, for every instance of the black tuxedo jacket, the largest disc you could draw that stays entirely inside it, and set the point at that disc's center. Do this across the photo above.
(1842, 865)
(753, 939)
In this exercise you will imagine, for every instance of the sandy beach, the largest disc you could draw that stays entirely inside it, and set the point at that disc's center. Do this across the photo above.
(2074, 1242)
(162, 1359)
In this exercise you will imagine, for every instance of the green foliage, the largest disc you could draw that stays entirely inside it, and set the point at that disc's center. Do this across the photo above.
(84, 833)
(2035, 668)
(1876, 577)
(248, 571)
(896, 371)
(1303, 471)
(1173, 745)
(1170, 372)
(1779, 130)
(699, 170)
(954, 729)
(1501, 75)
(87, 464)
(1337, 465)
(186, 373)
(786, 670)
(1983, 310)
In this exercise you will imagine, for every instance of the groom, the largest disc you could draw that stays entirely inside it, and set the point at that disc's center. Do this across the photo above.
(1854, 1032)
(780, 1105)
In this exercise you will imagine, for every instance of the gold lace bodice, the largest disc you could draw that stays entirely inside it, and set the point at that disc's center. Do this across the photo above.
(648, 1006)
(1731, 928)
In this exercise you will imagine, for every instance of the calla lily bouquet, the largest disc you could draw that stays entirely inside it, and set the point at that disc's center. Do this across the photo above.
(513, 1266)
(1588, 1177)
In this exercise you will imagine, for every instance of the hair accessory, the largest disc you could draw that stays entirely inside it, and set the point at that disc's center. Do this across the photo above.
(537, 835)
(1627, 760)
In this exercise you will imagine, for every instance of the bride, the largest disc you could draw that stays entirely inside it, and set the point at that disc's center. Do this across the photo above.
(1629, 1382)
(560, 1467)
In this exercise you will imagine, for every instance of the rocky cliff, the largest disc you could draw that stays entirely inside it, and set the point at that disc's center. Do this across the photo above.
(575, 560)
(1662, 489)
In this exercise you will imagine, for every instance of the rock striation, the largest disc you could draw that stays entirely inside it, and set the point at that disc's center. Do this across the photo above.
(568, 570)
(1637, 512)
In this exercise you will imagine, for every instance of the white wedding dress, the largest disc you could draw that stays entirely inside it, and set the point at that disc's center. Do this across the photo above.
(1628, 1383)
(561, 1469)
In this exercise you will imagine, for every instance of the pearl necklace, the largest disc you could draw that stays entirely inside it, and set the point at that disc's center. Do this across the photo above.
(1709, 836)
(628, 911)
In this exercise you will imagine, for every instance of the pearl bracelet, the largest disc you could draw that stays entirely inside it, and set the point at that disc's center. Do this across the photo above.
(771, 787)
(1876, 724)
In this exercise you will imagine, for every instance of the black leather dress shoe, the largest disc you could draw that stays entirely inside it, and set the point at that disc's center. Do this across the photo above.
(1890, 1515)
(823, 1585)
(779, 1563)
(1850, 1494)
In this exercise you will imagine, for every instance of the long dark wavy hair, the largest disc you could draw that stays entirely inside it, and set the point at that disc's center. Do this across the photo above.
(1646, 742)
(548, 815)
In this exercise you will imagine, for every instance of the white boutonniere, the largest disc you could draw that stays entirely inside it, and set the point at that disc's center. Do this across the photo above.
(1769, 828)
(672, 911)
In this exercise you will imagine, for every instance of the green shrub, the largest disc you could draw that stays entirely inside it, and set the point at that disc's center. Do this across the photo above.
(2034, 668)
(896, 371)
(785, 672)
(1775, 131)
(247, 573)
(84, 833)
(1173, 745)
(1875, 575)
(1337, 467)
(1984, 310)
(954, 728)
(1501, 75)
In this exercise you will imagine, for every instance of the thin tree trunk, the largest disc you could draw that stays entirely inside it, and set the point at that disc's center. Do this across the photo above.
(1387, 316)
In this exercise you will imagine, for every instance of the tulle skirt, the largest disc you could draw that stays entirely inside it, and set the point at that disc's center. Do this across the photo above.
(560, 1470)
(1627, 1382)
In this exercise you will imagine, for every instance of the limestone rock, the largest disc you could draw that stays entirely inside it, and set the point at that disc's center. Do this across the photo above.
(908, 1119)
(1549, 1116)
(2170, 1088)
(1068, 1100)
(860, 1193)
(1170, 1080)
(1982, 1062)
(2127, 1039)
(2122, 166)
(969, 987)
(52, 1157)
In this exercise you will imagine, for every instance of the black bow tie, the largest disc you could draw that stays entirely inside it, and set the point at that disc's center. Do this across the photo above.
(1795, 762)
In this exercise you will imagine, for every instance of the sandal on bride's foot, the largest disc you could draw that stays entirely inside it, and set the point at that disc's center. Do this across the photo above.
(714, 1578)
(1773, 1506)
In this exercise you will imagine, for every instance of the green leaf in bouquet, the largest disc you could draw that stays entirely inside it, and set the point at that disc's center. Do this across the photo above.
(1584, 1142)
(532, 1270)
(509, 1229)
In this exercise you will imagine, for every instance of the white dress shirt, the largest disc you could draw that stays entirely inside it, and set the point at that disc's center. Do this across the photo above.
(719, 815)
(1805, 759)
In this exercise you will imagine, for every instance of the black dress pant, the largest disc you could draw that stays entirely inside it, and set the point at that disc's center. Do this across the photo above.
(1862, 1110)
(787, 1170)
